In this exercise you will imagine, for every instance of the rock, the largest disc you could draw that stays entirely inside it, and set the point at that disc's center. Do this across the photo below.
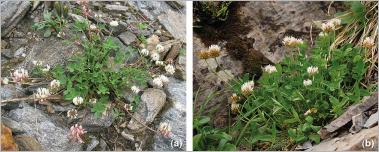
(13, 125)
(270, 22)
(365, 140)
(8, 92)
(306, 145)
(7, 141)
(36, 123)
(103, 145)
(11, 13)
(372, 121)
(7, 53)
(119, 8)
(127, 37)
(172, 19)
(28, 143)
(93, 144)
(152, 101)
(175, 115)
(19, 52)
(92, 123)
(51, 51)
(76, 17)
(173, 22)
(358, 122)
(61, 108)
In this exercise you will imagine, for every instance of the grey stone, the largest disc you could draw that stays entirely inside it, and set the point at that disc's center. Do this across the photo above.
(13, 125)
(51, 51)
(127, 37)
(350, 142)
(61, 108)
(8, 92)
(372, 121)
(76, 17)
(93, 144)
(118, 8)
(36, 123)
(93, 123)
(103, 145)
(11, 13)
(175, 115)
(152, 101)
(6, 53)
(358, 122)
(172, 19)
(19, 52)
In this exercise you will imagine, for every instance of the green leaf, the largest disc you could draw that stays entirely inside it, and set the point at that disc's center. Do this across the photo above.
(47, 33)
(315, 138)
(229, 147)
(100, 106)
(309, 119)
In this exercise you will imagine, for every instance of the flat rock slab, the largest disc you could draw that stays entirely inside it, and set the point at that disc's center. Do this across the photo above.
(92, 123)
(351, 142)
(152, 101)
(39, 125)
(50, 51)
(11, 13)
(172, 19)
(175, 115)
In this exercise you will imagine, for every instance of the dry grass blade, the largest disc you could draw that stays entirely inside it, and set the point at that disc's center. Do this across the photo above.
(355, 33)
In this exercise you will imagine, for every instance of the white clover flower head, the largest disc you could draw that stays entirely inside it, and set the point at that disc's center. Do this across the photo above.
(93, 100)
(328, 27)
(307, 112)
(113, 23)
(159, 63)
(322, 34)
(135, 89)
(307, 82)
(76, 133)
(234, 107)
(312, 70)
(292, 41)
(159, 48)
(77, 100)
(247, 88)
(157, 82)
(46, 69)
(92, 27)
(336, 22)
(152, 40)
(155, 56)
(170, 69)
(72, 114)
(42, 93)
(214, 48)
(37, 63)
(269, 69)
(55, 84)
(368, 43)
(5, 81)
(20, 75)
(144, 52)
(164, 78)
(165, 129)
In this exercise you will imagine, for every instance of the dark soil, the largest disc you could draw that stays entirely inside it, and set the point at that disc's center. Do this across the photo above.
(233, 31)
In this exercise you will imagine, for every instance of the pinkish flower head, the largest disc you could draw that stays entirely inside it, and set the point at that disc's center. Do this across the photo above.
(76, 131)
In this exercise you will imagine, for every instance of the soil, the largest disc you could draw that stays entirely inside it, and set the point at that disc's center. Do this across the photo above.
(234, 31)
